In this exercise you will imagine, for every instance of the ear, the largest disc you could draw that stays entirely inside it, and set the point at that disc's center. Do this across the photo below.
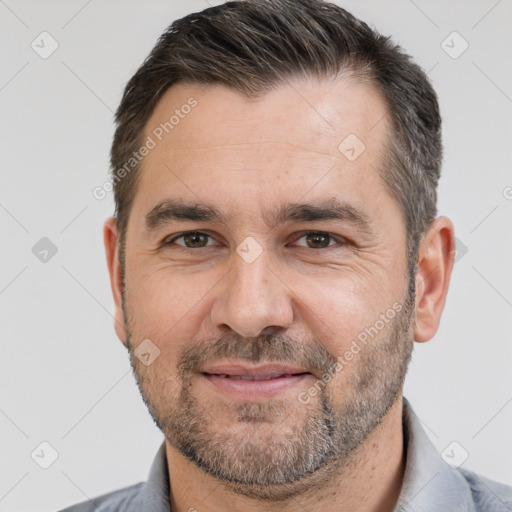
(111, 240)
(435, 263)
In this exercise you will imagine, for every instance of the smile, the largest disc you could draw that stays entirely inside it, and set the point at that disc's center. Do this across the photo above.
(252, 382)
(255, 377)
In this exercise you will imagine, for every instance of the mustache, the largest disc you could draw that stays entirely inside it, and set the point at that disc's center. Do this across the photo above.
(311, 354)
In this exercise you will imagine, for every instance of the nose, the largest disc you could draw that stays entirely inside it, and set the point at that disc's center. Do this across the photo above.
(252, 300)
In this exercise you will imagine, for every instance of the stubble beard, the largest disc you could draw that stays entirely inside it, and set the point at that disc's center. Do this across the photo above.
(279, 449)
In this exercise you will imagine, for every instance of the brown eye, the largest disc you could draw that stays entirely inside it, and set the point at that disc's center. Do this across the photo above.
(318, 240)
(192, 240)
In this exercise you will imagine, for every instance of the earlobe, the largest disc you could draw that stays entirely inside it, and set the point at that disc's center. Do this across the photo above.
(435, 263)
(111, 241)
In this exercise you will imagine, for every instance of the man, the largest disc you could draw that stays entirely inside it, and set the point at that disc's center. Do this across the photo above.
(274, 254)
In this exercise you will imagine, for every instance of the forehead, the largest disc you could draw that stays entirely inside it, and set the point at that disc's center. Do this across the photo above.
(321, 138)
(317, 115)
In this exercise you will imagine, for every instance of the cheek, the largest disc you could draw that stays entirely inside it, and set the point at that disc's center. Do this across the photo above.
(166, 308)
(171, 308)
(338, 311)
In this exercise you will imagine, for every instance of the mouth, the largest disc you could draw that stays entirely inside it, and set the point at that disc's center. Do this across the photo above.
(254, 377)
(262, 381)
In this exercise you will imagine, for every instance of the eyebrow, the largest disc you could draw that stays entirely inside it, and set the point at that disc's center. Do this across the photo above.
(170, 210)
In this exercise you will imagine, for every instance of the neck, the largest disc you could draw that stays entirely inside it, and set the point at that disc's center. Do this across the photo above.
(370, 481)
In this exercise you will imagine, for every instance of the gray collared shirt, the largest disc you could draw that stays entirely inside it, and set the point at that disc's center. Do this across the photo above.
(430, 484)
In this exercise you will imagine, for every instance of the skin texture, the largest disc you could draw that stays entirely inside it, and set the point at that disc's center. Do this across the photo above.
(247, 157)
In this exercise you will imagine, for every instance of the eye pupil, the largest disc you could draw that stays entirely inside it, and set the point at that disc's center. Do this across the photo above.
(318, 240)
(195, 239)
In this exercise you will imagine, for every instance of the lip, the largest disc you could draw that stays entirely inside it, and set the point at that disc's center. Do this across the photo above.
(261, 371)
(249, 382)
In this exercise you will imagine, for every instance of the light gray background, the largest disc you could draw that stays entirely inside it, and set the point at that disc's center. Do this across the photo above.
(65, 377)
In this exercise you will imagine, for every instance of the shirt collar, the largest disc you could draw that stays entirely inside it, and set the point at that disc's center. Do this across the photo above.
(156, 492)
(429, 484)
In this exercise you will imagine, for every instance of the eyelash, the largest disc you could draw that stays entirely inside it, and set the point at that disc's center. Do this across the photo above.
(339, 240)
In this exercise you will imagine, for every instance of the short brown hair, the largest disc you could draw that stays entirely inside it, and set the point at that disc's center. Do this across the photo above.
(253, 46)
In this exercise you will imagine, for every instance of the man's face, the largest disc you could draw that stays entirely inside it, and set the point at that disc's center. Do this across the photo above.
(261, 245)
